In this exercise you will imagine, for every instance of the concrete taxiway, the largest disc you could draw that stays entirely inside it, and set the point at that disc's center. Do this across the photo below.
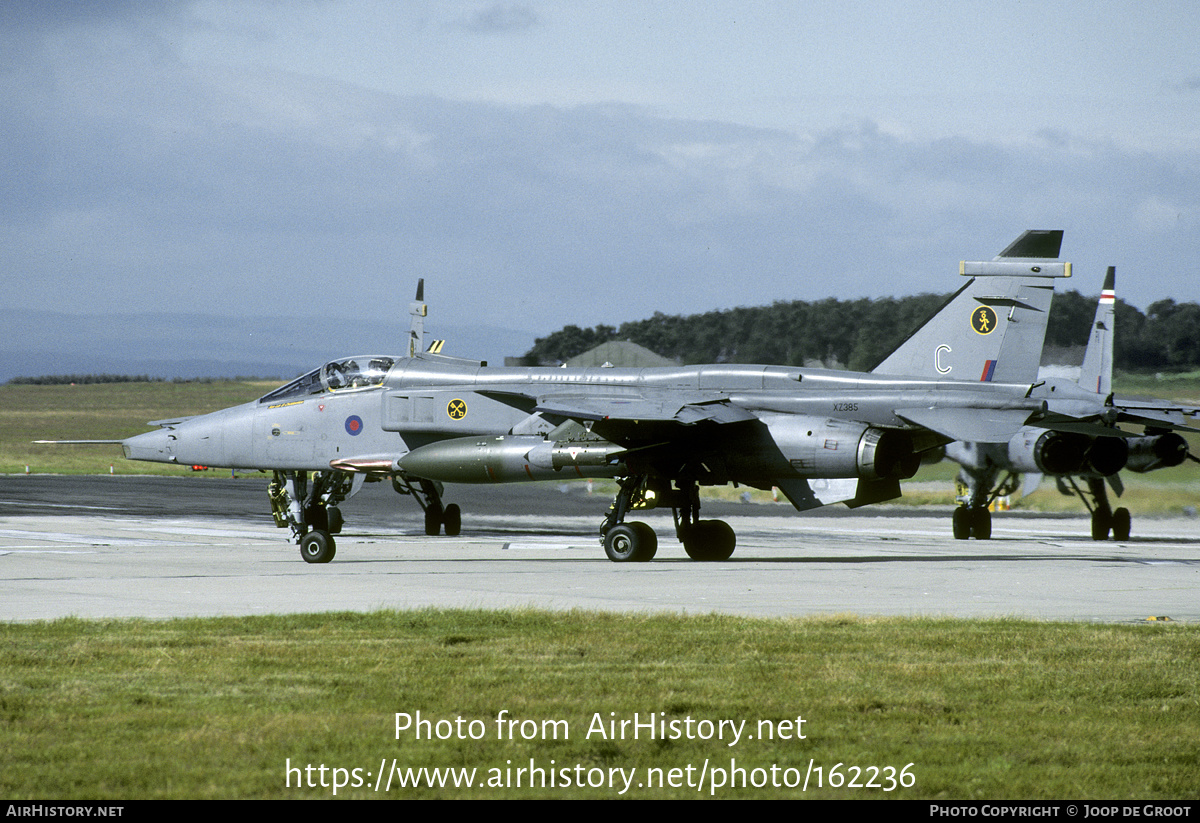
(146, 547)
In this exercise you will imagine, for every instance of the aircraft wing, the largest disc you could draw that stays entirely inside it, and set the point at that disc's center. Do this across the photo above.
(1098, 421)
(1157, 415)
(641, 407)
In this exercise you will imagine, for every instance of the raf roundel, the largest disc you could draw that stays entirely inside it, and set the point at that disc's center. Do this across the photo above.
(354, 425)
(983, 319)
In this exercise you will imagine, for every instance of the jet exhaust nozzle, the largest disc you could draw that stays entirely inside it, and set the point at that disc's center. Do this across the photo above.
(1062, 453)
(1156, 452)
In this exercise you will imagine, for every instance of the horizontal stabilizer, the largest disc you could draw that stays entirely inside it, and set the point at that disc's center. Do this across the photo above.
(971, 425)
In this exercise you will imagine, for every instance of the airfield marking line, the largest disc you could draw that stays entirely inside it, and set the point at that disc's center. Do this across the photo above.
(198, 532)
(25, 503)
(70, 537)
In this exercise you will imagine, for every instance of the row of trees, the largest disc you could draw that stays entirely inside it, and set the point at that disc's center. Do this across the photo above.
(89, 379)
(82, 379)
(857, 334)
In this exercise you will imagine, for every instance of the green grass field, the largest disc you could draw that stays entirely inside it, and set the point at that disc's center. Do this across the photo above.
(109, 411)
(957, 709)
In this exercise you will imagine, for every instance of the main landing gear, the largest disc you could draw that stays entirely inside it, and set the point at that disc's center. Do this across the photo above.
(973, 518)
(308, 504)
(1104, 518)
(636, 542)
(972, 521)
(428, 493)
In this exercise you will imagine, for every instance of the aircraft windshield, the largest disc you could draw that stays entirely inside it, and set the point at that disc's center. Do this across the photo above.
(336, 375)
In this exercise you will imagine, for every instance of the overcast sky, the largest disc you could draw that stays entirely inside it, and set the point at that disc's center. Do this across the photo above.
(545, 163)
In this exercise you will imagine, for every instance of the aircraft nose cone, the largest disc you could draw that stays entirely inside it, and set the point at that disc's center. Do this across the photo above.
(156, 446)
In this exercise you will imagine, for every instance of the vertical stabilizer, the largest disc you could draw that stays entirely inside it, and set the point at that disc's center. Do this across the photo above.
(993, 328)
(1096, 374)
(1035, 244)
(418, 310)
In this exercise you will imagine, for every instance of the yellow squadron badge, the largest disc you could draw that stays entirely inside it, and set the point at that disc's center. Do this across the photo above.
(983, 320)
(457, 409)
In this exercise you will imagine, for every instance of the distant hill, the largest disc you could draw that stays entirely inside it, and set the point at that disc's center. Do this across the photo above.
(191, 345)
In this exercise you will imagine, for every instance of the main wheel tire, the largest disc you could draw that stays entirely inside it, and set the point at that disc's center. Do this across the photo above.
(960, 523)
(647, 541)
(1122, 522)
(433, 521)
(709, 540)
(334, 515)
(452, 520)
(981, 523)
(317, 547)
(1101, 523)
(628, 543)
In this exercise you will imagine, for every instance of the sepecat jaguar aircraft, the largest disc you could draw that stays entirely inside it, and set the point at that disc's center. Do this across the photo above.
(1094, 461)
(820, 436)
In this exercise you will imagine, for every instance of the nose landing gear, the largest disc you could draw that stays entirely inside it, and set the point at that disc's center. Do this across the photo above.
(311, 510)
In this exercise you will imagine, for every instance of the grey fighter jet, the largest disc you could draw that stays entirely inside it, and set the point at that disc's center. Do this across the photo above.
(820, 436)
(1095, 459)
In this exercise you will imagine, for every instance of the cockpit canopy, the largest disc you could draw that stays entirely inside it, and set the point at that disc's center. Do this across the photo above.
(336, 375)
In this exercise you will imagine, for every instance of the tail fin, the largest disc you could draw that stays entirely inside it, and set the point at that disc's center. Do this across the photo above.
(418, 310)
(1096, 374)
(993, 328)
(1034, 244)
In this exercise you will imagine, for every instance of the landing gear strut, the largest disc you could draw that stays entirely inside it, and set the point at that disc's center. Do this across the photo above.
(1104, 518)
(428, 493)
(974, 517)
(308, 505)
(637, 542)
(629, 542)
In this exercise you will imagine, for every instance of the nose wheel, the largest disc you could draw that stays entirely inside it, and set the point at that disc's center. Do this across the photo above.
(630, 543)
(308, 505)
(317, 547)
